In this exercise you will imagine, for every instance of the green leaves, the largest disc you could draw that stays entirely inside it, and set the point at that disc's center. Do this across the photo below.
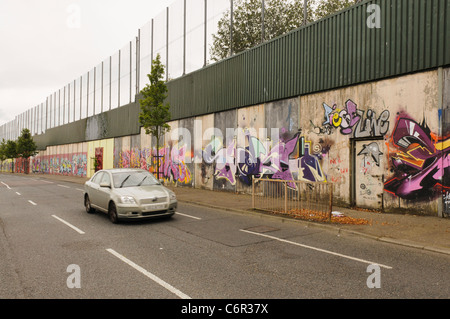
(11, 149)
(26, 147)
(280, 17)
(327, 7)
(155, 112)
(3, 150)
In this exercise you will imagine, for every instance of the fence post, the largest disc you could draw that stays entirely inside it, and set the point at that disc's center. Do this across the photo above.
(253, 192)
(285, 198)
(331, 202)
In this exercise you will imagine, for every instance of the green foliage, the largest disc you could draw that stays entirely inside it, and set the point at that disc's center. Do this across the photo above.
(326, 7)
(155, 112)
(11, 149)
(280, 17)
(26, 147)
(3, 150)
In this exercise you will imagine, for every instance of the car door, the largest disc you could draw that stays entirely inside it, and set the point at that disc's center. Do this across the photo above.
(104, 193)
(94, 187)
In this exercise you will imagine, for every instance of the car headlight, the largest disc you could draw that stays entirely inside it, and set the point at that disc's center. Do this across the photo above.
(172, 196)
(127, 200)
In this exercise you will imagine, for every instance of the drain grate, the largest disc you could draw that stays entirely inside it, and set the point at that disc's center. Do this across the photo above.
(262, 229)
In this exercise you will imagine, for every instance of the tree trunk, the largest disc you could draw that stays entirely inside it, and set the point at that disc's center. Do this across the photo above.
(157, 153)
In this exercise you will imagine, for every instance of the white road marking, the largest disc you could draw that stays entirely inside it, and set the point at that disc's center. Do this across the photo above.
(317, 249)
(68, 224)
(63, 186)
(149, 275)
(6, 185)
(18, 193)
(41, 180)
(198, 218)
(32, 203)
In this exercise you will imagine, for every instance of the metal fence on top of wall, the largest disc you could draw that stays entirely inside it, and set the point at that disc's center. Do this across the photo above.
(181, 34)
(337, 51)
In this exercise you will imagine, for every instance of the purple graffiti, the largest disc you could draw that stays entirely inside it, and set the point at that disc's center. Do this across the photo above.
(309, 164)
(280, 164)
(259, 159)
(173, 163)
(419, 161)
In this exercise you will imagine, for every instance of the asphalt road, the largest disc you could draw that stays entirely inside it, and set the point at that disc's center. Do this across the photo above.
(51, 248)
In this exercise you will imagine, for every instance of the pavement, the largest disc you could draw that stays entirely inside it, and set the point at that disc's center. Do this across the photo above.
(426, 233)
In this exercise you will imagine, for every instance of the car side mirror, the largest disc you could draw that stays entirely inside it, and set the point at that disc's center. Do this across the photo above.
(107, 185)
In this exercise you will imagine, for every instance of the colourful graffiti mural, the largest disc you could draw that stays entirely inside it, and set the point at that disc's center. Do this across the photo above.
(65, 164)
(352, 121)
(279, 161)
(135, 158)
(419, 160)
(171, 161)
(21, 165)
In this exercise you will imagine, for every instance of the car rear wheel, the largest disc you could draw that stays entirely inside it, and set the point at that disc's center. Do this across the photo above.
(87, 205)
(112, 213)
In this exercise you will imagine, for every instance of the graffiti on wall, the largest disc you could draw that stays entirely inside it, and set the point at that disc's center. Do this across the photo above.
(134, 158)
(64, 164)
(419, 160)
(280, 161)
(371, 156)
(350, 120)
(171, 161)
(21, 165)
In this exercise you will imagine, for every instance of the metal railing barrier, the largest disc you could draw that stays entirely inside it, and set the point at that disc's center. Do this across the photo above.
(298, 199)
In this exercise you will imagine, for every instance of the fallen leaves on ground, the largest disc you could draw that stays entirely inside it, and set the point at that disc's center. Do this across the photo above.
(316, 216)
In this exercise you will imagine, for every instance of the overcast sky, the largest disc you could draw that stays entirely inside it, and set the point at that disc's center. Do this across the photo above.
(45, 44)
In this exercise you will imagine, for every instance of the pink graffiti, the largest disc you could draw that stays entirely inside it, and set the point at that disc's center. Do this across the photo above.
(419, 160)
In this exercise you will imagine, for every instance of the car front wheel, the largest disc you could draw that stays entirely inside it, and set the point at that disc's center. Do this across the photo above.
(87, 205)
(112, 213)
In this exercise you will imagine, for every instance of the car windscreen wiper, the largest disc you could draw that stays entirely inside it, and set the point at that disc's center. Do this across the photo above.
(140, 183)
(123, 182)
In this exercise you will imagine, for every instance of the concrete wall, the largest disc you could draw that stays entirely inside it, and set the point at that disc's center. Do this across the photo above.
(380, 143)
(106, 146)
(377, 141)
(70, 159)
(6, 165)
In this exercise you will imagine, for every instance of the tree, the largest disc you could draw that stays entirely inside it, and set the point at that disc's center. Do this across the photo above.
(11, 151)
(26, 147)
(2, 150)
(2, 153)
(155, 111)
(280, 17)
(326, 7)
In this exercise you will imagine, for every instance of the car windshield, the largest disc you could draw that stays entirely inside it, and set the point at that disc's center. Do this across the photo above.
(133, 179)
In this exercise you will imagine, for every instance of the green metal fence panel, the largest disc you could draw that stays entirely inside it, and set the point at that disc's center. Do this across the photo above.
(122, 121)
(337, 51)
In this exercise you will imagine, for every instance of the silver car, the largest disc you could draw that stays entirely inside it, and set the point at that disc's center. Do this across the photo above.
(126, 193)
